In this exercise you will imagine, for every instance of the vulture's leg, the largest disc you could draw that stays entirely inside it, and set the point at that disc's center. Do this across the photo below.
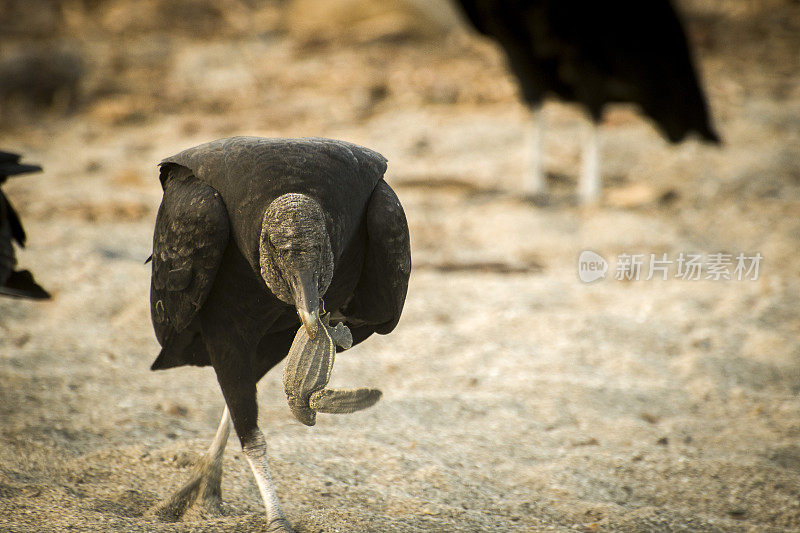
(534, 183)
(589, 187)
(235, 376)
(205, 480)
(255, 449)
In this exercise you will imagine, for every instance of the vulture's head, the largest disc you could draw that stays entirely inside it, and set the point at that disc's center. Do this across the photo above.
(295, 255)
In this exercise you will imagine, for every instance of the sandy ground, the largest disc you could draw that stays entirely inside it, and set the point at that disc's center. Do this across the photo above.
(516, 397)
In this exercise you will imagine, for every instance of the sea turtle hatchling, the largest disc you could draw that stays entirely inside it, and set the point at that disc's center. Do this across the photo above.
(308, 370)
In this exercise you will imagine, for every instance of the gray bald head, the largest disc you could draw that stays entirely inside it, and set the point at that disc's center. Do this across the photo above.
(295, 255)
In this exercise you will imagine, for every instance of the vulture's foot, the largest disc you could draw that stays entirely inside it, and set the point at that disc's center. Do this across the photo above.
(279, 525)
(204, 483)
(201, 491)
(308, 370)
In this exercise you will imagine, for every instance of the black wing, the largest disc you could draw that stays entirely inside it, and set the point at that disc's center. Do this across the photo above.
(14, 223)
(10, 166)
(190, 237)
(21, 284)
(8, 259)
(472, 10)
(14, 283)
(381, 291)
(596, 53)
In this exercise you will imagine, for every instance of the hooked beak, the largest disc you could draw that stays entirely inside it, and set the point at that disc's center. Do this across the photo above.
(306, 298)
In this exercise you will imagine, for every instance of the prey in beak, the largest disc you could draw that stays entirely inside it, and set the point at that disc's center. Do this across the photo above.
(310, 359)
(306, 300)
(308, 369)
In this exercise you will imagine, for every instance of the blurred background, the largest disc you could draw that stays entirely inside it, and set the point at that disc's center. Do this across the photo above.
(516, 397)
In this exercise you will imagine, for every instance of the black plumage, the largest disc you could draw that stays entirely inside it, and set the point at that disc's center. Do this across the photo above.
(255, 236)
(19, 283)
(599, 53)
(596, 53)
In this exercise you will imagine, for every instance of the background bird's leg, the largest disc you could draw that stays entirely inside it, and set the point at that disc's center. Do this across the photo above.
(205, 481)
(589, 186)
(535, 183)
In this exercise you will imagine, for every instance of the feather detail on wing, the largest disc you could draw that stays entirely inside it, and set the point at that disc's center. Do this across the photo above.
(190, 238)
(381, 292)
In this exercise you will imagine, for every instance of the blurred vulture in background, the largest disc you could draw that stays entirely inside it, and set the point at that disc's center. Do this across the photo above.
(18, 283)
(596, 53)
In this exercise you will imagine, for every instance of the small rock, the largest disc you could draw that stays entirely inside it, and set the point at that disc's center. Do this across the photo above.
(177, 410)
(648, 417)
(738, 513)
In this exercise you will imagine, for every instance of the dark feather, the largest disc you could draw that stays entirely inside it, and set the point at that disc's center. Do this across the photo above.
(8, 259)
(14, 283)
(596, 53)
(10, 166)
(185, 348)
(15, 225)
(21, 284)
(190, 237)
(381, 291)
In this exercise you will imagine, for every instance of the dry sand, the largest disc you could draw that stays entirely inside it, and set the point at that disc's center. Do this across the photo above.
(516, 398)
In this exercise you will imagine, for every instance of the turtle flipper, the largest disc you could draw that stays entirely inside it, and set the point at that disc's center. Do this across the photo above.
(343, 401)
(308, 370)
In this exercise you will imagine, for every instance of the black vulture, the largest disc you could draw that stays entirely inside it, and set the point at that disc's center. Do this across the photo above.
(254, 239)
(596, 53)
(18, 283)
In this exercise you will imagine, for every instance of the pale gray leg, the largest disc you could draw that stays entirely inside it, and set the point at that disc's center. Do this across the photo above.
(255, 449)
(534, 183)
(589, 187)
(205, 481)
